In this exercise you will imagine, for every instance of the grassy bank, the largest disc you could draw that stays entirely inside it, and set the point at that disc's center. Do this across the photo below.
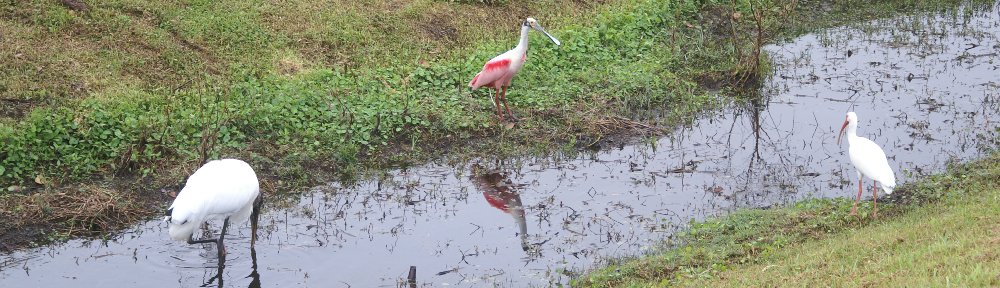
(936, 233)
(105, 103)
(939, 231)
(270, 95)
(951, 242)
(132, 96)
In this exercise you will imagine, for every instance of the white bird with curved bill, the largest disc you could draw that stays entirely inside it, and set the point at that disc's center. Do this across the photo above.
(224, 189)
(870, 161)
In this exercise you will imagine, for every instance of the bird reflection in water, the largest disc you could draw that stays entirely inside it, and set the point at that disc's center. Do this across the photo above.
(502, 194)
(254, 276)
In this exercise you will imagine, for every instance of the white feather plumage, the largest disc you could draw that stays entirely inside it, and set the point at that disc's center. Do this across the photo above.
(868, 157)
(219, 189)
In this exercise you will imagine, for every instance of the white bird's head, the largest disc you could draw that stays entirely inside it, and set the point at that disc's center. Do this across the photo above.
(852, 118)
(533, 24)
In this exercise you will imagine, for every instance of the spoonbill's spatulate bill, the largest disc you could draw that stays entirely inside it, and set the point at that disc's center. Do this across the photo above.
(224, 189)
(870, 161)
(498, 72)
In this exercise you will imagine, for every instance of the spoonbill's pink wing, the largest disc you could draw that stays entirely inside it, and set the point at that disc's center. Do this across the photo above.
(493, 70)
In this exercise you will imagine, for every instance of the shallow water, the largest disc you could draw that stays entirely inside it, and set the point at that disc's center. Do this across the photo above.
(927, 92)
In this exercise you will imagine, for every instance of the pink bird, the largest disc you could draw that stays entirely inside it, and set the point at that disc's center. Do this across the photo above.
(498, 72)
(502, 194)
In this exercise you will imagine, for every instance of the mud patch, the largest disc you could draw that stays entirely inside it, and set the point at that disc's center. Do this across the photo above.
(439, 28)
(76, 5)
(15, 108)
(12, 239)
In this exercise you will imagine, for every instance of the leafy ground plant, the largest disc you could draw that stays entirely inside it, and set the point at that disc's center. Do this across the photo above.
(621, 58)
(132, 96)
(162, 87)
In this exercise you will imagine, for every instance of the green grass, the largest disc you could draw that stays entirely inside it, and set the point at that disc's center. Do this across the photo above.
(57, 53)
(152, 86)
(132, 95)
(947, 244)
(941, 231)
(135, 89)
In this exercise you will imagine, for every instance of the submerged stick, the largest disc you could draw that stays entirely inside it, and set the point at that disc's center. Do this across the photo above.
(411, 279)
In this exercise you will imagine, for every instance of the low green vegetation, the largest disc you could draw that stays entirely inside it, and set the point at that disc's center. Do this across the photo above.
(133, 95)
(939, 231)
(130, 96)
(949, 243)
(256, 80)
(932, 233)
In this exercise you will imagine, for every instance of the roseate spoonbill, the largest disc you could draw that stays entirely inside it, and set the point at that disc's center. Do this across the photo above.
(221, 189)
(870, 161)
(498, 72)
(499, 193)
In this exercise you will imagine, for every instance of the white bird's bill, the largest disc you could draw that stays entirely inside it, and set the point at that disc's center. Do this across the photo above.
(842, 128)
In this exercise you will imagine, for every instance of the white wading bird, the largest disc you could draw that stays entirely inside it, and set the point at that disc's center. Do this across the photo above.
(870, 161)
(222, 189)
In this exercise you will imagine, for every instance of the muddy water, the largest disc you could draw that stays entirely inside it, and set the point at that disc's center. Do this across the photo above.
(925, 88)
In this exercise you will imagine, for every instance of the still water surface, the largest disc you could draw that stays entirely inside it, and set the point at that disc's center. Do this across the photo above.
(925, 87)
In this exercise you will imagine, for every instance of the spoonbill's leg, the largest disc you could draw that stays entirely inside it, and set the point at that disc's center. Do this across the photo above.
(504, 98)
(496, 102)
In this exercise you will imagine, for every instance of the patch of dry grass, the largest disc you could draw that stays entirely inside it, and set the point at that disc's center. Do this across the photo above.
(53, 53)
(79, 210)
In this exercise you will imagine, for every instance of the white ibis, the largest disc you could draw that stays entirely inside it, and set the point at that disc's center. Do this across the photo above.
(222, 189)
(870, 161)
(498, 192)
(498, 72)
